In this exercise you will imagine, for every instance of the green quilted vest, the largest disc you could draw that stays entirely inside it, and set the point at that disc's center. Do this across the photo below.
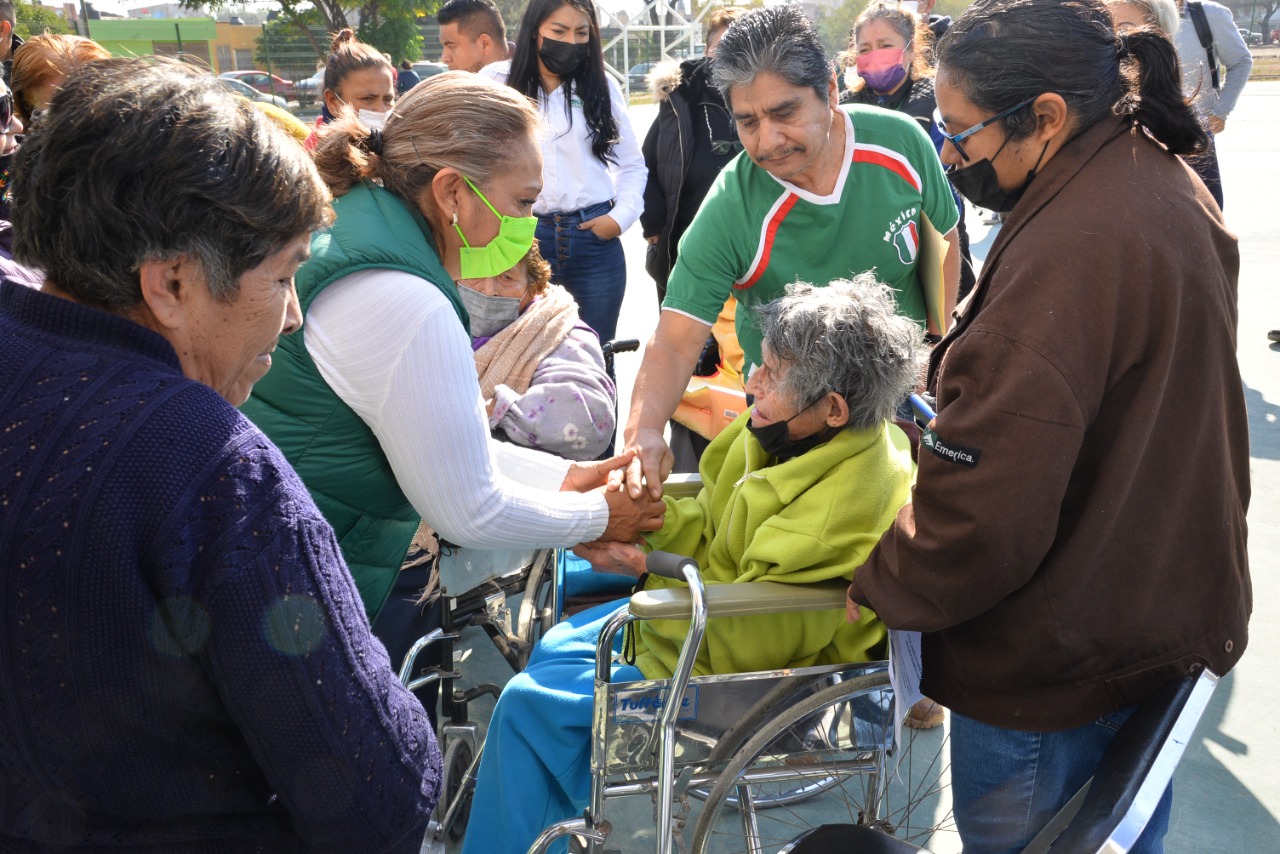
(332, 449)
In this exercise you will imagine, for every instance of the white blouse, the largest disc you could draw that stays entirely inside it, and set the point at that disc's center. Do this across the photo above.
(390, 346)
(572, 177)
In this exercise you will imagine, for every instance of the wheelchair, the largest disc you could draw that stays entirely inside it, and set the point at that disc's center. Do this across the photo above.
(812, 760)
(476, 589)
(751, 761)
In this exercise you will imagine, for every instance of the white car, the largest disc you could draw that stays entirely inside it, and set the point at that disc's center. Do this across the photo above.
(309, 89)
(244, 90)
(313, 84)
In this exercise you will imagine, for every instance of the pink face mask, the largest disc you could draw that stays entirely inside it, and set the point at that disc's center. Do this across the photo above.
(882, 69)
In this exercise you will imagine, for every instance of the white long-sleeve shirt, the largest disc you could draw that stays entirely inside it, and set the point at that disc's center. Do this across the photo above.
(1232, 52)
(572, 177)
(390, 346)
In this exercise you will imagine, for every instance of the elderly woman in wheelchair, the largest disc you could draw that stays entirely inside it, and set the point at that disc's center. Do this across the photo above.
(797, 490)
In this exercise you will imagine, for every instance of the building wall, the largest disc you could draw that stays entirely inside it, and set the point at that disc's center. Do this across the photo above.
(233, 48)
(151, 36)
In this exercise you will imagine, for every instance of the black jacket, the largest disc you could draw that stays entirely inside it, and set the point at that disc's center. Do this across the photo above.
(915, 99)
(8, 63)
(678, 153)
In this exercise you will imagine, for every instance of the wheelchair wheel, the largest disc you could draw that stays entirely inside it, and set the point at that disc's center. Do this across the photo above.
(457, 759)
(537, 605)
(833, 741)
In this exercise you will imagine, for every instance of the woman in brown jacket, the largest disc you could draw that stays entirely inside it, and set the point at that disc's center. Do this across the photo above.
(1077, 534)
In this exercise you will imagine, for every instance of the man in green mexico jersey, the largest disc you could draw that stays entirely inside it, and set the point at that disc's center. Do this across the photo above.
(821, 192)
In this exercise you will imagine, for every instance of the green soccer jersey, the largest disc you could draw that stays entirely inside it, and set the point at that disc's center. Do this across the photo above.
(755, 233)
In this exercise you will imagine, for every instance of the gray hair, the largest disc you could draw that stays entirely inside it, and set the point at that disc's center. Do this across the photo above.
(846, 337)
(148, 159)
(1161, 13)
(778, 39)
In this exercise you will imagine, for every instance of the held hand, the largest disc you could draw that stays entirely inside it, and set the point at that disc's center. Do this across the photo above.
(630, 517)
(603, 227)
(1216, 124)
(653, 462)
(852, 612)
(583, 477)
(618, 558)
(652, 239)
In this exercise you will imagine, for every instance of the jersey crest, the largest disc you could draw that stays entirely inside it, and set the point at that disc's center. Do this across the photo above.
(907, 241)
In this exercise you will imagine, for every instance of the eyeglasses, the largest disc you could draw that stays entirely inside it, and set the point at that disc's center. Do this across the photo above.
(720, 147)
(954, 139)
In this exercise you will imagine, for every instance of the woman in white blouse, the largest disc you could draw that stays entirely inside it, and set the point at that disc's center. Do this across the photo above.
(375, 402)
(593, 171)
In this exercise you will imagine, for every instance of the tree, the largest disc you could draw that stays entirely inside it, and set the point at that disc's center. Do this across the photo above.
(1256, 14)
(392, 26)
(283, 50)
(389, 25)
(512, 11)
(33, 19)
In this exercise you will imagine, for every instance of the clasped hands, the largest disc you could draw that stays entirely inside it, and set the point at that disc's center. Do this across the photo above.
(630, 514)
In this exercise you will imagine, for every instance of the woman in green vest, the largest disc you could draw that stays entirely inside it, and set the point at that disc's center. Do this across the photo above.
(376, 402)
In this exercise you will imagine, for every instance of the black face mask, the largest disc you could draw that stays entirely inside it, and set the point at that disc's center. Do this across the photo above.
(978, 183)
(563, 59)
(776, 442)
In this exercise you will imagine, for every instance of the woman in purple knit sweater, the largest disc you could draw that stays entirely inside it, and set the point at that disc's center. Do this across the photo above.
(185, 664)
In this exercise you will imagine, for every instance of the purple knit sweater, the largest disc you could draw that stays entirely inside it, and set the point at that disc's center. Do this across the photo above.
(184, 661)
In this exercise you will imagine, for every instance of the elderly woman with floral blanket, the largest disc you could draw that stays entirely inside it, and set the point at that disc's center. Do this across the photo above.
(542, 372)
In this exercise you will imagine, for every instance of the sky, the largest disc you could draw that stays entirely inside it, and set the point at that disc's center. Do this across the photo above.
(118, 7)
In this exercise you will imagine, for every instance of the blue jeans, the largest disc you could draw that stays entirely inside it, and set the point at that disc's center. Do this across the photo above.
(1206, 166)
(593, 270)
(1007, 784)
(536, 765)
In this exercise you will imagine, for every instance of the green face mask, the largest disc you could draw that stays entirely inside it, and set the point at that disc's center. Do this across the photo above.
(515, 236)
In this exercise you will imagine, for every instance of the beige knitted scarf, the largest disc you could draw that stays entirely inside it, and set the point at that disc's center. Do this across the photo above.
(510, 357)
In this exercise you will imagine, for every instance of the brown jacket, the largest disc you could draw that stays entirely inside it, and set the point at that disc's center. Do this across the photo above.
(1077, 532)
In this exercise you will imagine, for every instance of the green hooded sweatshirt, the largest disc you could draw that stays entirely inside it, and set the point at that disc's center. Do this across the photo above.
(813, 518)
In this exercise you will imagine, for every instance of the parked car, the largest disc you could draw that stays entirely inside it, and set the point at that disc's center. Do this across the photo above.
(429, 69)
(1250, 38)
(264, 82)
(310, 88)
(636, 76)
(314, 83)
(244, 90)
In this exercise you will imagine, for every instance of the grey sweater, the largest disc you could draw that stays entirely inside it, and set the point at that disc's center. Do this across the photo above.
(1231, 51)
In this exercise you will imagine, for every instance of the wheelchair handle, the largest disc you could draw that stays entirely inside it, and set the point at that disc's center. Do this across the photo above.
(620, 345)
(669, 565)
(924, 412)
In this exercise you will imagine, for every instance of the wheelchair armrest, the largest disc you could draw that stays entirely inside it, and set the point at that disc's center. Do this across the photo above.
(740, 600)
(684, 485)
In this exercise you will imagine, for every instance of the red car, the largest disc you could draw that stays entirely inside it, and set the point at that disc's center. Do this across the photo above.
(264, 82)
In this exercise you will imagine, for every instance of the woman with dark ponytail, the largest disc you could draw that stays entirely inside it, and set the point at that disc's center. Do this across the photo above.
(1077, 536)
(593, 172)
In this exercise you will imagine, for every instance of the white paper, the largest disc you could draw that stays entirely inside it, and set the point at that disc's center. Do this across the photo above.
(905, 666)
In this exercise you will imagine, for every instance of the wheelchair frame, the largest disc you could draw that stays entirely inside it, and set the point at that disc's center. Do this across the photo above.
(474, 588)
(638, 748)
